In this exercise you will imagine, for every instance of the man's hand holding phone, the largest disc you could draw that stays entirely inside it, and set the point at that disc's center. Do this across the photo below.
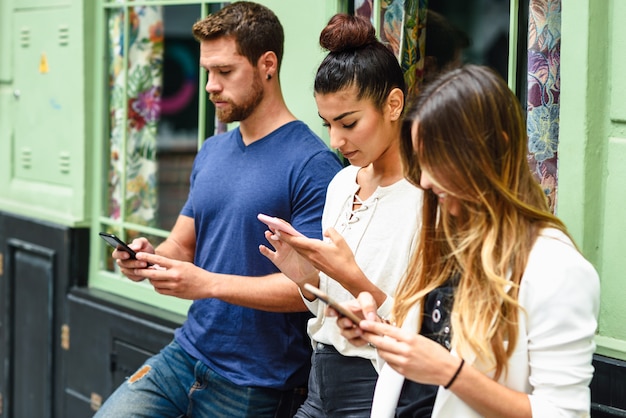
(125, 254)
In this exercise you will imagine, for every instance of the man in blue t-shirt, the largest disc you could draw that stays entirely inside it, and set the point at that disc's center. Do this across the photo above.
(243, 350)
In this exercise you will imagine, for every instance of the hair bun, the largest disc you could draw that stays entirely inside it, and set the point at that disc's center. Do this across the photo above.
(345, 31)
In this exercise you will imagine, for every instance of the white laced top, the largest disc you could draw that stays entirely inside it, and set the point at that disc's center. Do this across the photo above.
(381, 231)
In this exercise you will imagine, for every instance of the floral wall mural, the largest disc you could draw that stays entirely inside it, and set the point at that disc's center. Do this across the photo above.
(403, 25)
(134, 107)
(544, 58)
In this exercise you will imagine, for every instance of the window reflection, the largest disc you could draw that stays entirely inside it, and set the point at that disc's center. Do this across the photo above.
(486, 23)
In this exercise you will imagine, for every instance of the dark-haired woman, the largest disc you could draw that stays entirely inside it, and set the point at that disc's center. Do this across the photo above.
(370, 216)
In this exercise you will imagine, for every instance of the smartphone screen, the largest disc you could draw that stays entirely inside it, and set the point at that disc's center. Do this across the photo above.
(333, 304)
(278, 224)
(117, 243)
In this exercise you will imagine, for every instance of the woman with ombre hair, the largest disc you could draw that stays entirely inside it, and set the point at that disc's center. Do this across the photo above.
(497, 312)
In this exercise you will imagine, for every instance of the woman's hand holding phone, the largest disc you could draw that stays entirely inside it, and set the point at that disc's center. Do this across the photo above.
(290, 263)
(277, 224)
(365, 307)
(340, 309)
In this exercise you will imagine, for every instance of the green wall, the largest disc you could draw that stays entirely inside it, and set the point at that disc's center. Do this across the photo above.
(592, 152)
(303, 21)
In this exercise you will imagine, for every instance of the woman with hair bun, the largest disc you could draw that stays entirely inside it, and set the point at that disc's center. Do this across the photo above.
(370, 218)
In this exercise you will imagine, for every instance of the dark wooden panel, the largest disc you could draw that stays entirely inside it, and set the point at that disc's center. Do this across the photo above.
(32, 313)
(111, 337)
(77, 406)
(40, 263)
(126, 359)
(608, 388)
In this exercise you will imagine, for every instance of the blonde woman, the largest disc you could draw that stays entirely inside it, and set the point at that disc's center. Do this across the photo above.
(497, 312)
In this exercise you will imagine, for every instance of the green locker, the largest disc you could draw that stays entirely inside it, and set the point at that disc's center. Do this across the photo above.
(44, 152)
(47, 103)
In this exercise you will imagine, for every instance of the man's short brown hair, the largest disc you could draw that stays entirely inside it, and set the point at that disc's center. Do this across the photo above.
(255, 28)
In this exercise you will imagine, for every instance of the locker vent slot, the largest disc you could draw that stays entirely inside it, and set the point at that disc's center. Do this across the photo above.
(64, 35)
(64, 162)
(25, 37)
(27, 158)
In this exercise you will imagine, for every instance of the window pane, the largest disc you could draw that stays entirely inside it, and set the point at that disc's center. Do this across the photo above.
(153, 107)
(177, 134)
(153, 124)
(135, 85)
(486, 23)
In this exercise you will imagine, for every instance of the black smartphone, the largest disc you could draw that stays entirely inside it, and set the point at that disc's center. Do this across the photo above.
(117, 243)
(333, 304)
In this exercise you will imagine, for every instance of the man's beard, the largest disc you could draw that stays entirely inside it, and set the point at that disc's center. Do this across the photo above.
(240, 111)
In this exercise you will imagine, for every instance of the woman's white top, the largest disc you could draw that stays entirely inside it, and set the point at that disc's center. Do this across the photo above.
(382, 234)
(560, 297)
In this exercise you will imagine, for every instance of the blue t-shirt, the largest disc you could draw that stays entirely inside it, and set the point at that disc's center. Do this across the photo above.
(284, 174)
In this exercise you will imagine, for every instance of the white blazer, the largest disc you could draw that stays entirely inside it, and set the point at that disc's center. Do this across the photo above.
(560, 297)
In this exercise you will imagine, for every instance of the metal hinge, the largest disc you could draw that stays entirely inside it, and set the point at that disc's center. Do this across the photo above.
(65, 337)
(1, 265)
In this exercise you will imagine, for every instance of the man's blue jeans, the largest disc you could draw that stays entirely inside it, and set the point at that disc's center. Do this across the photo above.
(173, 384)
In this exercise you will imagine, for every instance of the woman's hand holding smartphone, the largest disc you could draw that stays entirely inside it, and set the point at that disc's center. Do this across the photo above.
(277, 224)
(332, 303)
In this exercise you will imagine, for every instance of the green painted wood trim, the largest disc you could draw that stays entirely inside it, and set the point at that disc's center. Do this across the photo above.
(618, 63)
(586, 192)
(513, 37)
(375, 9)
(613, 263)
(99, 127)
(6, 42)
(202, 95)
(610, 347)
(132, 3)
(90, 115)
(583, 124)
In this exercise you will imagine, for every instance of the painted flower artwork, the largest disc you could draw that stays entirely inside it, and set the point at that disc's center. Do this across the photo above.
(135, 109)
(544, 52)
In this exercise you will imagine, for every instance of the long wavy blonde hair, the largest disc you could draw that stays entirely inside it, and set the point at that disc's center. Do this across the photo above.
(469, 134)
